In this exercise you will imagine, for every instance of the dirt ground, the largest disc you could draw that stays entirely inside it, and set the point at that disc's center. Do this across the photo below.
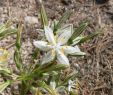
(96, 68)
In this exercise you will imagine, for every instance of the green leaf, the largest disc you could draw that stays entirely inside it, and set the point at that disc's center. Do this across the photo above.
(72, 93)
(78, 31)
(36, 91)
(56, 67)
(53, 24)
(79, 54)
(76, 40)
(17, 54)
(92, 35)
(39, 71)
(6, 30)
(7, 33)
(65, 16)
(5, 70)
(4, 85)
(45, 86)
(67, 78)
(35, 53)
(43, 15)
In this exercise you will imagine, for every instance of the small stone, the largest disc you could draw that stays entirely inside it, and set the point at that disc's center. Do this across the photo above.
(31, 20)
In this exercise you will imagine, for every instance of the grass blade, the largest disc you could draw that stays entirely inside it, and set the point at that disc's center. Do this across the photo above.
(78, 31)
(45, 86)
(88, 37)
(65, 16)
(4, 85)
(6, 30)
(17, 54)
(43, 15)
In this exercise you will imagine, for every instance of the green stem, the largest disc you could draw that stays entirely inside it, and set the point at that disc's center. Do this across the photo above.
(23, 89)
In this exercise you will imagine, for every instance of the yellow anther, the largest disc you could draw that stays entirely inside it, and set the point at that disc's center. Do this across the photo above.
(62, 39)
(62, 50)
(53, 52)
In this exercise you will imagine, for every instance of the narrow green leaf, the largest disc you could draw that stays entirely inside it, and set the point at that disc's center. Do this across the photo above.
(35, 53)
(78, 31)
(65, 16)
(45, 86)
(82, 27)
(7, 33)
(4, 85)
(76, 40)
(17, 54)
(72, 93)
(47, 69)
(70, 76)
(6, 30)
(38, 92)
(56, 67)
(5, 70)
(43, 15)
(92, 35)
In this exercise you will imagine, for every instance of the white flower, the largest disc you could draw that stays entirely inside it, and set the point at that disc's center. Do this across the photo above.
(70, 85)
(56, 45)
(53, 85)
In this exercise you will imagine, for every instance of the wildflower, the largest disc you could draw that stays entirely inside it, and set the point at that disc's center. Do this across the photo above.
(3, 55)
(56, 45)
(53, 85)
(73, 85)
(70, 85)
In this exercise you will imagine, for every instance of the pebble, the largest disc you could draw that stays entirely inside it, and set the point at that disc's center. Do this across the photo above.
(31, 20)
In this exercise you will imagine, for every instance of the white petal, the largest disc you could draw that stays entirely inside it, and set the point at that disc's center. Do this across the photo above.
(62, 58)
(53, 84)
(49, 57)
(72, 50)
(70, 83)
(49, 34)
(42, 45)
(64, 34)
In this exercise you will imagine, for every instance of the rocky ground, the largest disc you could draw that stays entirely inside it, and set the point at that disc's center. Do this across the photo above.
(96, 67)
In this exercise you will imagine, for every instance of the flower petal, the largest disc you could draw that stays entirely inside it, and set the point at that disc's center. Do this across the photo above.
(62, 58)
(42, 45)
(49, 34)
(49, 57)
(72, 50)
(53, 84)
(64, 34)
(70, 84)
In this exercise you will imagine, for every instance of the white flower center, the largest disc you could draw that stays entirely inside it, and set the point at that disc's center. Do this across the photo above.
(57, 47)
